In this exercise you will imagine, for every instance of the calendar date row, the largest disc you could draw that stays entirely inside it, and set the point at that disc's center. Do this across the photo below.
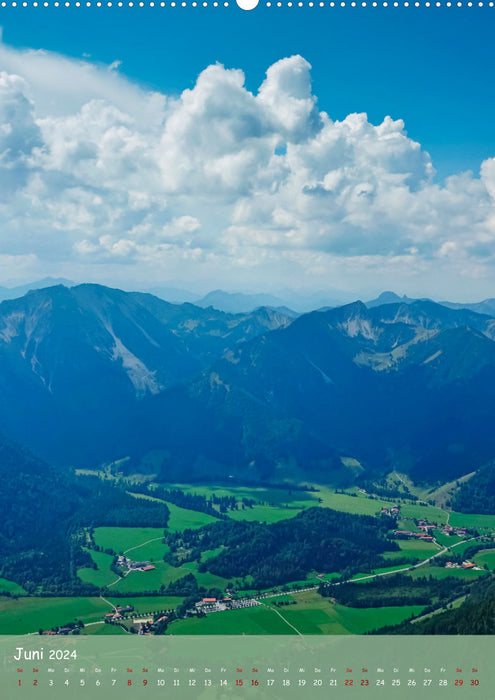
(240, 682)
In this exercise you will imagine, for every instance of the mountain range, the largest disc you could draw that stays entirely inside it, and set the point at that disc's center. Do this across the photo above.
(91, 374)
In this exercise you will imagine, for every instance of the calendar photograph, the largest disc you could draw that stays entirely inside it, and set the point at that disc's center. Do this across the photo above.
(247, 324)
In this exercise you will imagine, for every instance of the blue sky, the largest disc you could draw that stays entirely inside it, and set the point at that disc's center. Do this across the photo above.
(317, 148)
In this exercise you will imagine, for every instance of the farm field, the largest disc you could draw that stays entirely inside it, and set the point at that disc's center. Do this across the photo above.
(447, 540)
(263, 494)
(146, 604)
(180, 518)
(11, 587)
(480, 522)
(277, 504)
(426, 512)
(414, 550)
(124, 539)
(359, 503)
(311, 614)
(28, 614)
(183, 519)
(383, 570)
(146, 544)
(101, 576)
(407, 525)
(271, 506)
(103, 629)
(265, 514)
(256, 620)
(164, 574)
(463, 546)
(487, 557)
(442, 572)
(24, 615)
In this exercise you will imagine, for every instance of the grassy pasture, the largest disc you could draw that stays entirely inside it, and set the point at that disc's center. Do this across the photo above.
(264, 514)
(415, 550)
(382, 570)
(311, 617)
(407, 525)
(277, 504)
(28, 614)
(487, 557)
(442, 572)
(474, 520)
(124, 539)
(103, 575)
(11, 587)
(256, 620)
(23, 615)
(311, 614)
(447, 540)
(164, 574)
(261, 494)
(103, 629)
(183, 519)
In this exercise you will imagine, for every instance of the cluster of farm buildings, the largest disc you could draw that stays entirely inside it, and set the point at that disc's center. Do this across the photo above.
(425, 528)
(146, 626)
(209, 605)
(118, 613)
(134, 565)
(464, 565)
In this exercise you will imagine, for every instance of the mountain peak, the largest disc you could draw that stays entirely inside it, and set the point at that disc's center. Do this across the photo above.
(388, 298)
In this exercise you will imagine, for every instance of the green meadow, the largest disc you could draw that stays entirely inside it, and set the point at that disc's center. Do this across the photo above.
(414, 550)
(24, 615)
(447, 540)
(273, 504)
(311, 614)
(485, 557)
(264, 514)
(443, 572)
(10, 587)
(28, 614)
(256, 620)
(183, 519)
(101, 576)
(382, 570)
(132, 540)
(474, 520)
(100, 629)
(163, 575)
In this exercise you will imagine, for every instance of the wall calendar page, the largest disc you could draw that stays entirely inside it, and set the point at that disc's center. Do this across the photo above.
(247, 349)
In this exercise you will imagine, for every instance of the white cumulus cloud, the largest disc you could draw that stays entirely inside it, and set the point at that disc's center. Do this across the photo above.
(101, 177)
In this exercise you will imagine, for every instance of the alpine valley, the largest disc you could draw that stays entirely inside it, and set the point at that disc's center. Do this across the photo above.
(161, 461)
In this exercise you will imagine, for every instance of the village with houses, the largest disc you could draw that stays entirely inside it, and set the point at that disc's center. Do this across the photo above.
(425, 533)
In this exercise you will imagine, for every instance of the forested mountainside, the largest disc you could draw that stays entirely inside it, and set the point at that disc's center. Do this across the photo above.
(43, 509)
(475, 616)
(90, 374)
